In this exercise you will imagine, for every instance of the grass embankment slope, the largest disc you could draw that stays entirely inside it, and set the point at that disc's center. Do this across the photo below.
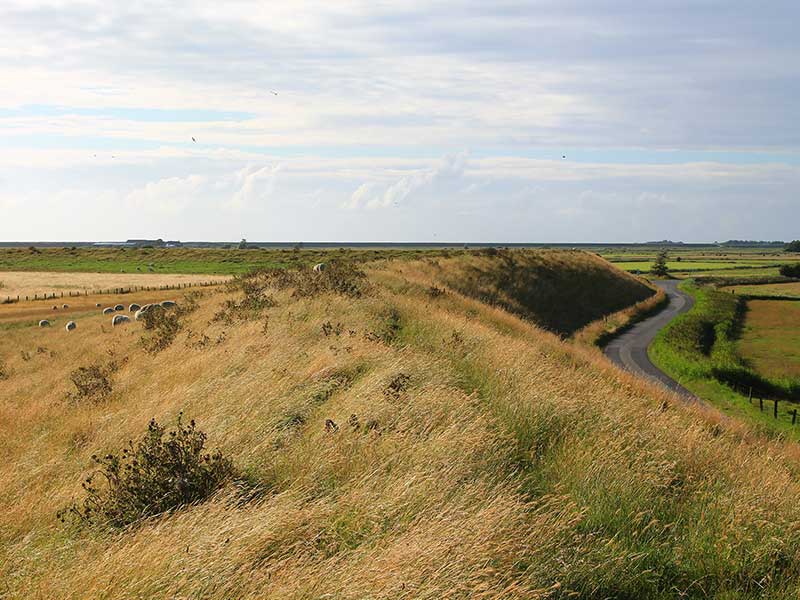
(562, 291)
(701, 350)
(474, 456)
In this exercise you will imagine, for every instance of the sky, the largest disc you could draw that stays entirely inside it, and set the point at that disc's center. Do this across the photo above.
(465, 121)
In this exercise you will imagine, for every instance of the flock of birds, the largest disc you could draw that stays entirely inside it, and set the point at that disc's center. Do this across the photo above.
(118, 319)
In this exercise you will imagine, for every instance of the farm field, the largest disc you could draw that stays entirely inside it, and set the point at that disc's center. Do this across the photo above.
(205, 261)
(779, 290)
(770, 338)
(379, 434)
(28, 283)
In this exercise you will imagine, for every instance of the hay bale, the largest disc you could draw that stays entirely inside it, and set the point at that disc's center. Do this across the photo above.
(168, 304)
(134, 307)
(71, 325)
(108, 311)
(44, 323)
(320, 267)
(119, 320)
(119, 307)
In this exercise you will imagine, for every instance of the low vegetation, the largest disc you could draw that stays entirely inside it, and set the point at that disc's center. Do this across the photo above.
(163, 471)
(792, 271)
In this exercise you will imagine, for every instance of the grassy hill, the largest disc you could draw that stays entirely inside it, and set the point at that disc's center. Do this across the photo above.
(386, 439)
(537, 284)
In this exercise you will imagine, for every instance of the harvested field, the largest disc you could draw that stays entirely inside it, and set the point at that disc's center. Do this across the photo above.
(28, 283)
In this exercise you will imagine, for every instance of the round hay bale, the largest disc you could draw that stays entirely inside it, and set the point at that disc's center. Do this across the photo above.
(108, 310)
(134, 307)
(65, 306)
(168, 304)
(44, 323)
(119, 307)
(98, 305)
(71, 325)
(55, 308)
(119, 320)
(320, 267)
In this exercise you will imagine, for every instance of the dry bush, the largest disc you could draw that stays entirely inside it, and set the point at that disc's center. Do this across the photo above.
(92, 383)
(163, 325)
(162, 471)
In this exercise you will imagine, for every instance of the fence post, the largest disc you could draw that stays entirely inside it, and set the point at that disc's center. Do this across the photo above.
(750, 395)
(761, 404)
(775, 412)
(794, 416)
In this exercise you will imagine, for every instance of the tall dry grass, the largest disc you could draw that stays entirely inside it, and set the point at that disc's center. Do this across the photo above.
(512, 466)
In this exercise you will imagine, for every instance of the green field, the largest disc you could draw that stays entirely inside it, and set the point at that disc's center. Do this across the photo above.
(701, 350)
(770, 339)
(208, 261)
(777, 290)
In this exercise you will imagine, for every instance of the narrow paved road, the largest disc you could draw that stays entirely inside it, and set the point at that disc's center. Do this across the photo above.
(629, 350)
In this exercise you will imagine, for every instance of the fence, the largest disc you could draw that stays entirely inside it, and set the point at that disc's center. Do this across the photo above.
(110, 291)
(759, 397)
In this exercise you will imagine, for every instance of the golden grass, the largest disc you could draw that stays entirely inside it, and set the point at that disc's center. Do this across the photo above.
(28, 283)
(788, 290)
(515, 466)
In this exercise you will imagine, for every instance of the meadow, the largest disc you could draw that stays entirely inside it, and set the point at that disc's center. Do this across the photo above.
(202, 261)
(770, 338)
(386, 436)
(776, 290)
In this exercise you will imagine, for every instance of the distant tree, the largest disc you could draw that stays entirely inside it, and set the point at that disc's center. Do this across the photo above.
(243, 244)
(790, 270)
(659, 268)
(298, 246)
(793, 246)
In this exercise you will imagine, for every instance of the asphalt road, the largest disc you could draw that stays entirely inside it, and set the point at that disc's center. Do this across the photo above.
(629, 350)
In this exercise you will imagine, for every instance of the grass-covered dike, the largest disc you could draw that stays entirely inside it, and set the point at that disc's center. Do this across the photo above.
(375, 433)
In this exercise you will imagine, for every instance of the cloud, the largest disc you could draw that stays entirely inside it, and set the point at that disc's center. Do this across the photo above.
(397, 193)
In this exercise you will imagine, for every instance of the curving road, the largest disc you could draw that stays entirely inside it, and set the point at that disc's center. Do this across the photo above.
(629, 350)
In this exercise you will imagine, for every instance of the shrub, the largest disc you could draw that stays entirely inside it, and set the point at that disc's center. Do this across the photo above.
(92, 383)
(389, 329)
(793, 246)
(163, 326)
(790, 270)
(163, 471)
(3, 371)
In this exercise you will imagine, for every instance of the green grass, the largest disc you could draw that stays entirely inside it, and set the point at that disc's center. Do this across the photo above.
(209, 261)
(700, 350)
(775, 290)
(770, 339)
(686, 266)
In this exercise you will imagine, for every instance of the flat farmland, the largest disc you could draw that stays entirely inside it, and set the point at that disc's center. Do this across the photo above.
(28, 283)
(770, 339)
(779, 290)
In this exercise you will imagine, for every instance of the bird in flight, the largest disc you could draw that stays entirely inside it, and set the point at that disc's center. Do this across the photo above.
(563, 156)
(274, 92)
(194, 140)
